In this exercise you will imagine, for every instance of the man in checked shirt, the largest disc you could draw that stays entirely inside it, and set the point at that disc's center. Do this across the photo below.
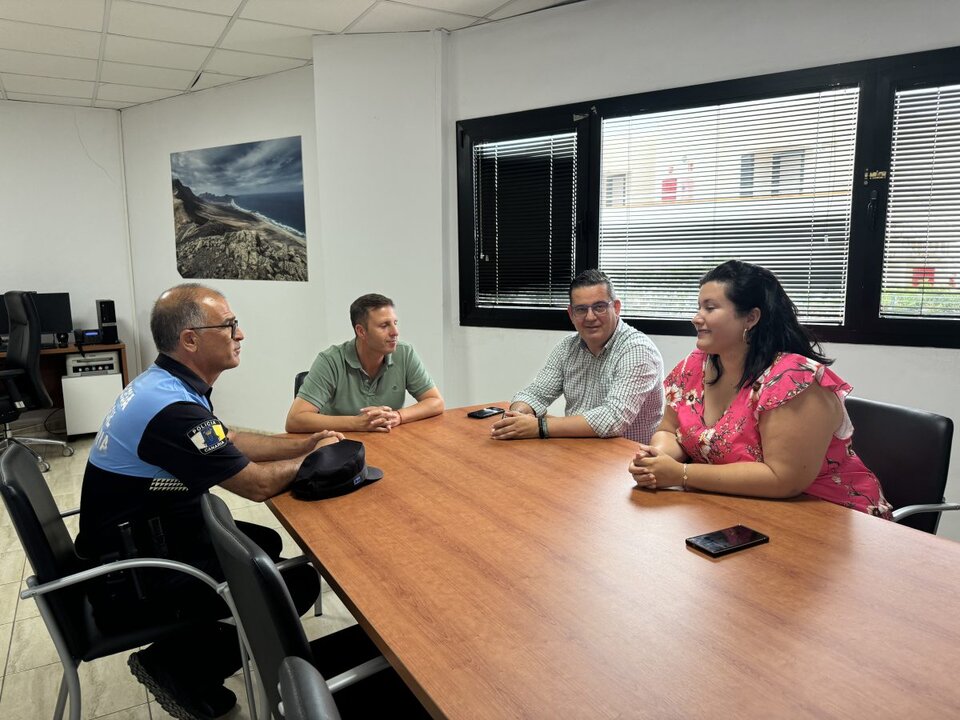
(610, 376)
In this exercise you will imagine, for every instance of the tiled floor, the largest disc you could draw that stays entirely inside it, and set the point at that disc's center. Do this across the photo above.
(29, 669)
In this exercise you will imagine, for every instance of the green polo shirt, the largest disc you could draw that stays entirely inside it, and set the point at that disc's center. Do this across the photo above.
(337, 384)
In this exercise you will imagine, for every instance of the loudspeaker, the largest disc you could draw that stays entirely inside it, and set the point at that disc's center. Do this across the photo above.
(107, 322)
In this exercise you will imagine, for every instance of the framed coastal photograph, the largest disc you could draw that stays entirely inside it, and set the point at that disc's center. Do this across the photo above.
(238, 211)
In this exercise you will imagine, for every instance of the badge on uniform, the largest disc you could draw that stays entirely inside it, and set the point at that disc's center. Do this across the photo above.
(208, 437)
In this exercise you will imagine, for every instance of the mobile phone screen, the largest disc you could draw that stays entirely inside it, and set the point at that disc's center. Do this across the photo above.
(728, 540)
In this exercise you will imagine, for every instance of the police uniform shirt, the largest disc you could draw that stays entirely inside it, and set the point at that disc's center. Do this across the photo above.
(158, 451)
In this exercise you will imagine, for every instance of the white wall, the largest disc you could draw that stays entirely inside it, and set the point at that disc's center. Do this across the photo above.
(606, 48)
(284, 322)
(62, 203)
(378, 143)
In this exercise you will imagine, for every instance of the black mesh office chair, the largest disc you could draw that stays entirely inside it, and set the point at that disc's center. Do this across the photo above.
(909, 451)
(304, 693)
(360, 678)
(23, 387)
(60, 584)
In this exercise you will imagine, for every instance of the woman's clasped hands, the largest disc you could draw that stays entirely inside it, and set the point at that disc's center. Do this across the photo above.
(654, 469)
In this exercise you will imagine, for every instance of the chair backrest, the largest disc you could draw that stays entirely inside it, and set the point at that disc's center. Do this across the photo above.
(263, 603)
(305, 693)
(23, 345)
(297, 382)
(44, 537)
(908, 450)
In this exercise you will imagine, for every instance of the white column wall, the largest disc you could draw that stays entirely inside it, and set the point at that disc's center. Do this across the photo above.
(378, 145)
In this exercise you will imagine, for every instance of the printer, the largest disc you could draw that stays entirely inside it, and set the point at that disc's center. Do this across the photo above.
(95, 363)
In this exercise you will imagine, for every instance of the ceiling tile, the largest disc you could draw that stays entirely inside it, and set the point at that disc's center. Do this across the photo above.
(519, 7)
(132, 93)
(247, 65)
(46, 86)
(125, 74)
(396, 17)
(78, 14)
(113, 104)
(329, 15)
(154, 52)
(162, 23)
(259, 37)
(212, 79)
(477, 8)
(45, 39)
(55, 99)
(218, 7)
(25, 63)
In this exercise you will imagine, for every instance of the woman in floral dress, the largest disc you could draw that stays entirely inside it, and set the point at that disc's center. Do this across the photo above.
(755, 410)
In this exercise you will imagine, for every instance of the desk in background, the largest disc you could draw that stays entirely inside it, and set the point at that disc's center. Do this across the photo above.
(530, 579)
(52, 369)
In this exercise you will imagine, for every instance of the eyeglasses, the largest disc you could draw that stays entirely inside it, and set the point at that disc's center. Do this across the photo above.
(233, 325)
(599, 309)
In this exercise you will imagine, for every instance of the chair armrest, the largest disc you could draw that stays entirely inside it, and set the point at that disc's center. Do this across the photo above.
(293, 562)
(908, 510)
(68, 513)
(355, 674)
(85, 575)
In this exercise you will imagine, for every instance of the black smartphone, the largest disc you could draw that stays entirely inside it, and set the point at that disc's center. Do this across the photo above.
(728, 540)
(485, 412)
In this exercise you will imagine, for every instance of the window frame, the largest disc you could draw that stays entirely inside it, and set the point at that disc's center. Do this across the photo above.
(878, 79)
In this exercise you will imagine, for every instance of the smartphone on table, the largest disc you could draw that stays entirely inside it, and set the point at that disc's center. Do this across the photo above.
(485, 412)
(728, 540)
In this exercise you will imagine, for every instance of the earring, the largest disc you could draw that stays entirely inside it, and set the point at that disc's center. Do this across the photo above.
(746, 341)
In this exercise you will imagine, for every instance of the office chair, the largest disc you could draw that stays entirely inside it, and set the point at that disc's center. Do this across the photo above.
(304, 694)
(297, 382)
(60, 583)
(909, 451)
(361, 680)
(24, 388)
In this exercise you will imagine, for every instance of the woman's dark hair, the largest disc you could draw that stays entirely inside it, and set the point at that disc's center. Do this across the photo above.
(778, 330)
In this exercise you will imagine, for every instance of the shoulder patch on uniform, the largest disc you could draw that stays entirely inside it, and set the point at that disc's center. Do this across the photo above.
(208, 436)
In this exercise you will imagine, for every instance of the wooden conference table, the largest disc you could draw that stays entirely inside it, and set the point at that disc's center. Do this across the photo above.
(530, 579)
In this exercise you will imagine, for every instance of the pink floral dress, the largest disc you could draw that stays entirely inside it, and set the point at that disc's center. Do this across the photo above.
(843, 478)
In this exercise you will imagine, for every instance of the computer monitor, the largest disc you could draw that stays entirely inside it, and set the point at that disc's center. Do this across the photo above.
(54, 312)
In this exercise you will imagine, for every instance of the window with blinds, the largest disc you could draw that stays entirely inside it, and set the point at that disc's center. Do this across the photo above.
(767, 181)
(921, 250)
(524, 205)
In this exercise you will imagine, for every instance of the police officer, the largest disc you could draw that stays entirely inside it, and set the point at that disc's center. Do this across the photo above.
(158, 451)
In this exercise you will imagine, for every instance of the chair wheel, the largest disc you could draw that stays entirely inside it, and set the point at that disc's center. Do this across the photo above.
(67, 451)
(44, 466)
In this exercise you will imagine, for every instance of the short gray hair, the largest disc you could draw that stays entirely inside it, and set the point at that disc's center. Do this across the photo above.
(176, 310)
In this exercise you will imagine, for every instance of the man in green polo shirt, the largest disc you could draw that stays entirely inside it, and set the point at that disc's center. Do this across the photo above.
(361, 384)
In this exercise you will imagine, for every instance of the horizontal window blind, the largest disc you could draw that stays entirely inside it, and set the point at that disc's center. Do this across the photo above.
(921, 256)
(524, 194)
(766, 181)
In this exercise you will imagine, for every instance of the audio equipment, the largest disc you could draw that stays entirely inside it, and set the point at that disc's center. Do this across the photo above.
(87, 337)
